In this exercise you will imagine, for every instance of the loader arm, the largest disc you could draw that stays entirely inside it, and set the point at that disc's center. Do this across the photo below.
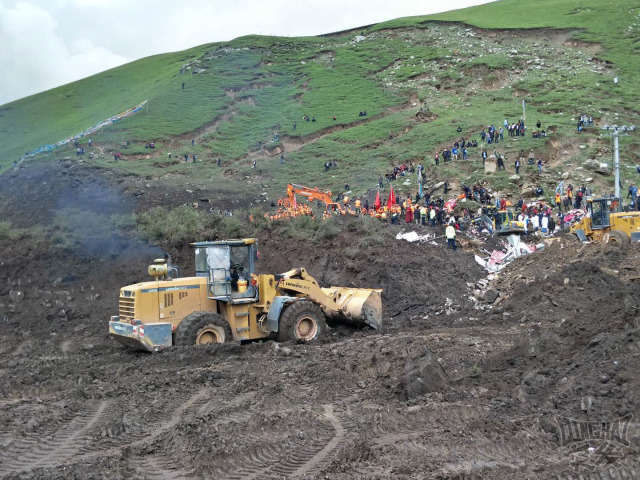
(299, 281)
(353, 305)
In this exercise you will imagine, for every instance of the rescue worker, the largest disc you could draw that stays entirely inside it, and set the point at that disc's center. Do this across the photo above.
(450, 233)
(423, 214)
(358, 207)
(345, 200)
(432, 216)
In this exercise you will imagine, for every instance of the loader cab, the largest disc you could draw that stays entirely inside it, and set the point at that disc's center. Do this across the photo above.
(600, 209)
(228, 266)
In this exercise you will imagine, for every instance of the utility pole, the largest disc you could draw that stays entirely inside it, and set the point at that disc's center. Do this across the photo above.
(615, 133)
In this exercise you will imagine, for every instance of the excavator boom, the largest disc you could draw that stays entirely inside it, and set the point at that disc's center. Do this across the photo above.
(311, 194)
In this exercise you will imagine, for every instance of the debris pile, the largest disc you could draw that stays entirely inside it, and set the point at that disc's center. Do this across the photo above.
(500, 259)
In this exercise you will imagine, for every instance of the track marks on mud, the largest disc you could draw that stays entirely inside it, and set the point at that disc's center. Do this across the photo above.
(41, 449)
(295, 457)
(328, 448)
(605, 474)
(154, 467)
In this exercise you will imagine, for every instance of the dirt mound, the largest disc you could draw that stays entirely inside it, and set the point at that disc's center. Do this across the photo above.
(444, 391)
(576, 356)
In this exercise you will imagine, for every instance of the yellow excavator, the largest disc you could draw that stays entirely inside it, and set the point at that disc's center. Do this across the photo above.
(226, 301)
(606, 222)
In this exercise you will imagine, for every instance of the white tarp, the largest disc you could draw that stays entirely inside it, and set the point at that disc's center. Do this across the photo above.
(415, 237)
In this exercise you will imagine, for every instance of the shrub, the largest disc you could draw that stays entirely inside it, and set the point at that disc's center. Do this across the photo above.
(5, 230)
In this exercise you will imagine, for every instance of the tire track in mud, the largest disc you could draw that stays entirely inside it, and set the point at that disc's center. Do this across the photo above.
(126, 428)
(152, 466)
(331, 446)
(609, 474)
(47, 450)
(79, 440)
(292, 458)
(156, 467)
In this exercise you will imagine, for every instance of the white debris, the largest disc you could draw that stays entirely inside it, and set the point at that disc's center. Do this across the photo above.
(414, 237)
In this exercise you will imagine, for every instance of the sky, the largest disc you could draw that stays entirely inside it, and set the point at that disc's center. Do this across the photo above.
(48, 43)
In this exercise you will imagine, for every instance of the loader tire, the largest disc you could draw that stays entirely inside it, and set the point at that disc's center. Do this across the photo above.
(302, 321)
(616, 236)
(202, 328)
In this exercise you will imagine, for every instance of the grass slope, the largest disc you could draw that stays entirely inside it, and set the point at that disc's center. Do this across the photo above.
(242, 92)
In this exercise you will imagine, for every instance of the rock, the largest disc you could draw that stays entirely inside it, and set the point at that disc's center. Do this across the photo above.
(588, 180)
(582, 147)
(514, 177)
(490, 295)
(591, 164)
(490, 164)
(565, 175)
(16, 296)
(566, 281)
(423, 375)
(520, 394)
(286, 351)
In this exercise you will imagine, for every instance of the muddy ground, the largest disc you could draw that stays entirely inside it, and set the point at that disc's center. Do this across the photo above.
(453, 387)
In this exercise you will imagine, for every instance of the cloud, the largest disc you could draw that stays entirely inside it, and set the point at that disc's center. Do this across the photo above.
(47, 43)
(35, 57)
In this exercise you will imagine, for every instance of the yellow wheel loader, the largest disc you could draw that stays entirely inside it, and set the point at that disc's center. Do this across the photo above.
(606, 222)
(226, 301)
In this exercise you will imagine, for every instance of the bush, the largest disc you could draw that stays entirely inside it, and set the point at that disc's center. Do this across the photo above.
(5, 230)
(184, 225)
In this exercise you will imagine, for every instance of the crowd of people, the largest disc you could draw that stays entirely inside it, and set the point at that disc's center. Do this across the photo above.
(585, 121)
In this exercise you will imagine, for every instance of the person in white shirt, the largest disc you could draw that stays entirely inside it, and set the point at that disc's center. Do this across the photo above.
(535, 223)
(545, 224)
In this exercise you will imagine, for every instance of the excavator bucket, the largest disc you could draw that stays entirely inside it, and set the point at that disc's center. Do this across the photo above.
(357, 305)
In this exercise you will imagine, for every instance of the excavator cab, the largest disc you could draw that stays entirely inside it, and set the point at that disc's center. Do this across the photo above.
(229, 266)
(505, 223)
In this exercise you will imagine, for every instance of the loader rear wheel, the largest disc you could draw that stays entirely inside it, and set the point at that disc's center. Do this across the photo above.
(203, 328)
(302, 321)
(616, 236)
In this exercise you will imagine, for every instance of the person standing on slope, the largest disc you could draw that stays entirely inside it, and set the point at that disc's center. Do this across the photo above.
(450, 233)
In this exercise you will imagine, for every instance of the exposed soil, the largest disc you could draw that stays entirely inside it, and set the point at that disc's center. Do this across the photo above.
(452, 387)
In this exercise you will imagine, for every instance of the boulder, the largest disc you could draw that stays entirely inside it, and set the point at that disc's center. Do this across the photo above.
(527, 191)
(591, 164)
(16, 296)
(490, 296)
(490, 164)
(423, 374)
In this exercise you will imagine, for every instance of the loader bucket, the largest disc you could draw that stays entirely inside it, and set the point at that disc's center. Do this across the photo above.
(357, 305)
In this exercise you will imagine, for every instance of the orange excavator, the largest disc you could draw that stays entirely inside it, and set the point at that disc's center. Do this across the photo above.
(312, 195)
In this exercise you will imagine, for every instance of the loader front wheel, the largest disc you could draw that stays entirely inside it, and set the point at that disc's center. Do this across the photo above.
(302, 321)
(616, 236)
(202, 328)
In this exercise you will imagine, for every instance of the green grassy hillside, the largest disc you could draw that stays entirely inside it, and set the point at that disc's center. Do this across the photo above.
(470, 68)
